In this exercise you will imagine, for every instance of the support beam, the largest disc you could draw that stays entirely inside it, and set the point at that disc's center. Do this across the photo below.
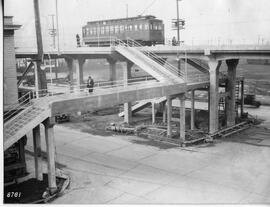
(192, 110)
(230, 101)
(50, 144)
(169, 116)
(153, 113)
(70, 72)
(79, 72)
(37, 153)
(214, 66)
(182, 118)
(127, 106)
(112, 64)
(164, 112)
(242, 98)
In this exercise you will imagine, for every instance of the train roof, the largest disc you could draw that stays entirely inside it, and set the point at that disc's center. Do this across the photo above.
(121, 19)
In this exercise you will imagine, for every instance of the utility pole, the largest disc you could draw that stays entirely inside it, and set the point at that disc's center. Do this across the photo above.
(178, 25)
(41, 75)
(53, 31)
(57, 25)
(127, 10)
(58, 43)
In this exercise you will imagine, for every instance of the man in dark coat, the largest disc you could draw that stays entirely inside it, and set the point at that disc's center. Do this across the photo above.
(90, 84)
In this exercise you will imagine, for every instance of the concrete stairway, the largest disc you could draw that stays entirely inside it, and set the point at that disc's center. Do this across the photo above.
(143, 104)
(19, 125)
(198, 64)
(149, 65)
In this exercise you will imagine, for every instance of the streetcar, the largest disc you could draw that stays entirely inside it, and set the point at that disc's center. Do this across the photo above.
(147, 30)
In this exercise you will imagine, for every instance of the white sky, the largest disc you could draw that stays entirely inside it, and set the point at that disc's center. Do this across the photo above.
(241, 21)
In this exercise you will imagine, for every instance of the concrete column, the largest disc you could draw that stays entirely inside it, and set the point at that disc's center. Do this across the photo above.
(214, 96)
(230, 105)
(153, 113)
(79, 72)
(182, 117)
(70, 72)
(127, 106)
(164, 112)
(37, 153)
(169, 116)
(242, 97)
(50, 144)
(112, 64)
(192, 110)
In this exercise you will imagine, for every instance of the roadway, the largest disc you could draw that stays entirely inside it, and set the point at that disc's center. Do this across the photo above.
(129, 170)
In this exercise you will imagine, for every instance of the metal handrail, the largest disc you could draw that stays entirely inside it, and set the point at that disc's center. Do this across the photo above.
(121, 43)
(157, 58)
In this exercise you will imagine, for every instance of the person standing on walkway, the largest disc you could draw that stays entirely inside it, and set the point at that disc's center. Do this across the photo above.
(90, 84)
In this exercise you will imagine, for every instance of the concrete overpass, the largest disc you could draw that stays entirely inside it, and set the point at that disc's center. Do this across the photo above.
(170, 84)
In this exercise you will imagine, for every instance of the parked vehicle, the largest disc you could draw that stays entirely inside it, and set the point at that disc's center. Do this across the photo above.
(250, 99)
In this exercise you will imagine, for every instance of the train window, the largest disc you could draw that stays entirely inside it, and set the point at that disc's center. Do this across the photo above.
(151, 26)
(107, 29)
(130, 27)
(126, 27)
(90, 31)
(102, 30)
(116, 29)
(155, 27)
(87, 31)
(122, 28)
(94, 31)
(146, 26)
(135, 27)
(111, 29)
(159, 27)
(140, 27)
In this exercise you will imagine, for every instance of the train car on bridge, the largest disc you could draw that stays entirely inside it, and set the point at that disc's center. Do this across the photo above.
(148, 30)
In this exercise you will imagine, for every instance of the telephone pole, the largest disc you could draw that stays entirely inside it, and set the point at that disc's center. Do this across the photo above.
(53, 31)
(178, 25)
(41, 75)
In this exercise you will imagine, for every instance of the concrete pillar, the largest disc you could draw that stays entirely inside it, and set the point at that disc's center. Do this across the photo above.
(192, 110)
(230, 105)
(70, 72)
(242, 98)
(214, 95)
(127, 106)
(112, 64)
(164, 110)
(182, 118)
(50, 145)
(153, 113)
(169, 116)
(79, 72)
(37, 153)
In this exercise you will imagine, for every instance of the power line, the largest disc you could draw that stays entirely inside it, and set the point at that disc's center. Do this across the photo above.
(148, 6)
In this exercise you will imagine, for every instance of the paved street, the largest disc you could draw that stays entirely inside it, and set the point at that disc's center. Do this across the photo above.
(126, 169)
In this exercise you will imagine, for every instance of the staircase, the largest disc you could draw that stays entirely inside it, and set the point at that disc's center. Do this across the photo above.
(198, 64)
(149, 62)
(237, 97)
(143, 104)
(25, 120)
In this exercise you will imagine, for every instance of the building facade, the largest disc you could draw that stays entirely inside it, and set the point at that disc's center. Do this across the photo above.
(10, 72)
